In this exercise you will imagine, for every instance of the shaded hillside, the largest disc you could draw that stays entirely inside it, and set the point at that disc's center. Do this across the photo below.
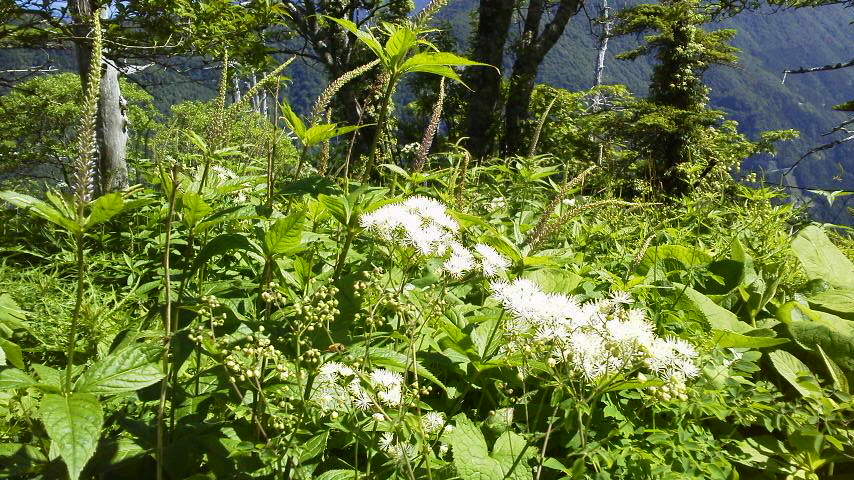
(751, 94)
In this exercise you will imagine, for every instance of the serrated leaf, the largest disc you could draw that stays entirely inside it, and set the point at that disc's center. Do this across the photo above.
(313, 447)
(513, 454)
(10, 314)
(104, 208)
(809, 329)
(126, 370)
(220, 245)
(41, 209)
(11, 378)
(73, 424)
(193, 208)
(336, 475)
(285, 234)
(839, 301)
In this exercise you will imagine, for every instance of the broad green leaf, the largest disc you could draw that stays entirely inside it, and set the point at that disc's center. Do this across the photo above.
(12, 353)
(554, 280)
(321, 133)
(487, 337)
(687, 257)
(810, 329)
(368, 39)
(337, 206)
(104, 208)
(293, 120)
(73, 424)
(427, 59)
(337, 475)
(795, 372)
(222, 244)
(41, 209)
(400, 42)
(838, 301)
(821, 259)
(126, 370)
(11, 378)
(440, 70)
(285, 234)
(11, 315)
(313, 447)
(396, 361)
(710, 312)
(727, 339)
(193, 208)
(513, 454)
(840, 381)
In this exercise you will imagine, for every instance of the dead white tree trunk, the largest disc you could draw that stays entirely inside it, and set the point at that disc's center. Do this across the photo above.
(602, 41)
(112, 107)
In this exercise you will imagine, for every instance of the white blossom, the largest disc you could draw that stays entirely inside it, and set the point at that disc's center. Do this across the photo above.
(460, 262)
(492, 263)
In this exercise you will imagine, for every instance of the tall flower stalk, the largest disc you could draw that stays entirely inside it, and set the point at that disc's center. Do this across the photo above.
(84, 180)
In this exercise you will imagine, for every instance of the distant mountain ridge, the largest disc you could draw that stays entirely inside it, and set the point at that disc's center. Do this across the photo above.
(752, 93)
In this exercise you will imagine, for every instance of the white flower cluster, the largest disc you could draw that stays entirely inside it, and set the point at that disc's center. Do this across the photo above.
(424, 224)
(338, 387)
(596, 339)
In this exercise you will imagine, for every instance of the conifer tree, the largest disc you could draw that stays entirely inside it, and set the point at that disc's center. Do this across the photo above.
(676, 111)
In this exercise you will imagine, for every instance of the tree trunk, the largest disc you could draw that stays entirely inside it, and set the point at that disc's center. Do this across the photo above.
(602, 42)
(530, 52)
(112, 119)
(493, 25)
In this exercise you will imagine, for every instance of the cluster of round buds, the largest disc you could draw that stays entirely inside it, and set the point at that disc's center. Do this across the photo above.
(272, 293)
(311, 356)
(320, 308)
(673, 389)
(421, 390)
(246, 361)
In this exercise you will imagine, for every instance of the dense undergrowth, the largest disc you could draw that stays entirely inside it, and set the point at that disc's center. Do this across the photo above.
(245, 314)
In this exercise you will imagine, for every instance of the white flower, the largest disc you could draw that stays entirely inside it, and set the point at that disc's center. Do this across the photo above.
(334, 369)
(432, 422)
(672, 358)
(620, 297)
(386, 378)
(419, 222)
(492, 263)
(460, 261)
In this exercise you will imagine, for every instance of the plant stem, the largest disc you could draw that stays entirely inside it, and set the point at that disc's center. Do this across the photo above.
(380, 127)
(78, 303)
(167, 325)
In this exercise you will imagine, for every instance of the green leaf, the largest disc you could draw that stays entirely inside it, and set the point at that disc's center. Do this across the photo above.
(400, 42)
(810, 329)
(222, 244)
(710, 312)
(368, 39)
(840, 381)
(513, 454)
(126, 370)
(73, 424)
(396, 361)
(194, 208)
(795, 372)
(293, 120)
(321, 133)
(41, 209)
(554, 280)
(426, 61)
(838, 301)
(285, 234)
(821, 259)
(727, 339)
(11, 378)
(11, 316)
(104, 208)
(685, 256)
(337, 475)
(313, 447)
(12, 353)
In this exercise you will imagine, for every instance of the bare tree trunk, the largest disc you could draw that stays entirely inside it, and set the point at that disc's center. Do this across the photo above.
(532, 49)
(236, 81)
(112, 107)
(602, 42)
(494, 18)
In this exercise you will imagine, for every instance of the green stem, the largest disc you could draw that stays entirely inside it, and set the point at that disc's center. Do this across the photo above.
(380, 127)
(78, 303)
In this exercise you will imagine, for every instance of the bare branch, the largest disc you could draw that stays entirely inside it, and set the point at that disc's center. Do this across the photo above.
(824, 68)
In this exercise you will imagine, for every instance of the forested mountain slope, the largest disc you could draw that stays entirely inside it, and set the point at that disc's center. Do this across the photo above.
(752, 94)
